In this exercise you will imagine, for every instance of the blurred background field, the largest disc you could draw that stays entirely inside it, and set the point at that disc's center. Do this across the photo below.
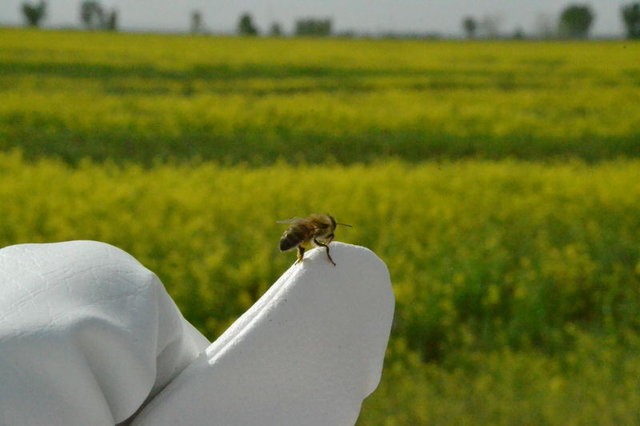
(256, 100)
(499, 181)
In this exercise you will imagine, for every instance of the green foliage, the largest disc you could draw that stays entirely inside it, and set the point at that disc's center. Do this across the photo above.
(246, 26)
(94, 17)
(469, 25)
(145, 98)
(34, 14)
(575, 21)
(502, 270)
(595, 384)
(631, 19)
(313, 27)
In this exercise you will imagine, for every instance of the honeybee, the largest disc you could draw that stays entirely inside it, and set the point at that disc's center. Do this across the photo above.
(302, 233)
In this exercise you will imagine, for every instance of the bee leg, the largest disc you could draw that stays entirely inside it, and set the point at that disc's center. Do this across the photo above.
(300, 254)
(326, 248)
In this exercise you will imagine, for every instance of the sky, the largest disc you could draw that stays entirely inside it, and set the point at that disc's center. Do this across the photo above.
(362, 16)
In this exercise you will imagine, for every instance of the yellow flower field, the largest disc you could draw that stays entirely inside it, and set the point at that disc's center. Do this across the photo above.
(498, 181)
(495, 265)
(147, 97)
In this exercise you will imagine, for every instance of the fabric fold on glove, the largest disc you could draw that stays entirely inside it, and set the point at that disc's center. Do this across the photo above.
(307, 353)
(87, 334)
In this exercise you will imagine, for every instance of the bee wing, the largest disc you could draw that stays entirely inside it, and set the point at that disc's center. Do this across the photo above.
(292, 220)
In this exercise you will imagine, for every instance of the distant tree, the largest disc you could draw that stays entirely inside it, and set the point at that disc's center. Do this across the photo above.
(313, 27)
(92, 14)
(631, 19)
(518, 34)
(246, 26)
(34, 14)
(470, 26)
(575, 21)
(94, 17)
(275, 30)
(111, 21)
(196, 22)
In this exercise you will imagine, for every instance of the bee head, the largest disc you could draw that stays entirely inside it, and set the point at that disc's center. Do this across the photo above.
(333, 221)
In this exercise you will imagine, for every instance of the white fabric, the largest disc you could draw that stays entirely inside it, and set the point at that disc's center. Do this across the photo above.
(87, 335)
(307, 353)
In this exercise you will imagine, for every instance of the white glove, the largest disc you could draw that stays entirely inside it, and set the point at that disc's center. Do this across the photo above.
(87, 335)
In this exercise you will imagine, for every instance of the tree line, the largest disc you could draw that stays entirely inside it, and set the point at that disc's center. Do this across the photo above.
(303, 27)
(92, 15)
(574, 22)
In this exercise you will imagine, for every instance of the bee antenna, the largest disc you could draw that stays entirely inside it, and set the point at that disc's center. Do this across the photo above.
(344, 224)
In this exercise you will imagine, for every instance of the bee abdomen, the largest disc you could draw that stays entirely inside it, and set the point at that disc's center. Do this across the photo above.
(291, 238)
